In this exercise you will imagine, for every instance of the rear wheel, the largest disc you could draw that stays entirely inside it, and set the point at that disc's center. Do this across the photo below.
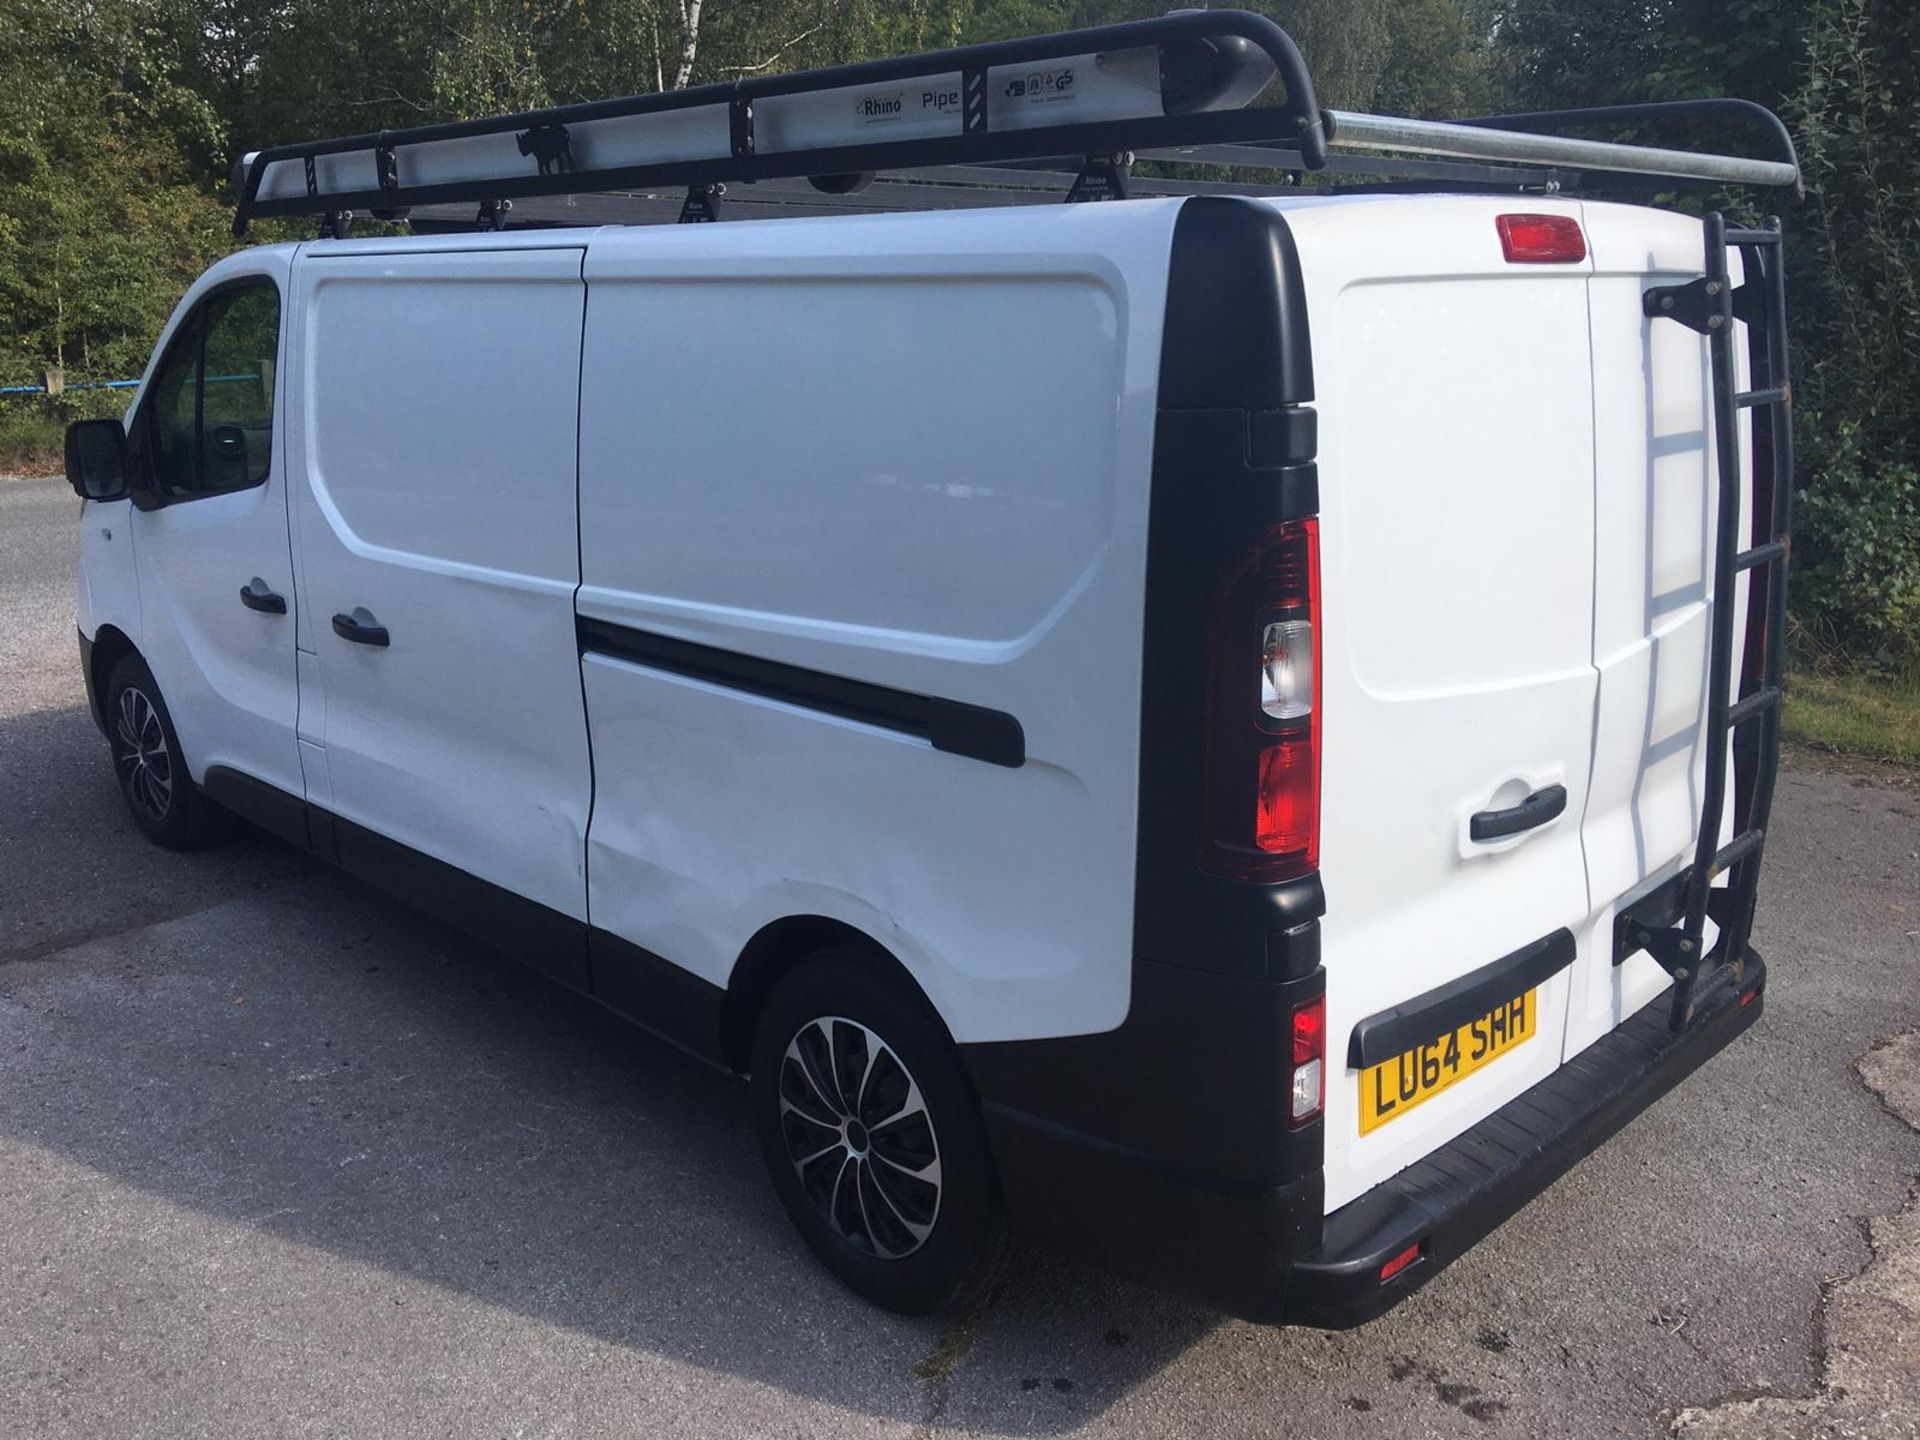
(160, 794)
(873, 1138)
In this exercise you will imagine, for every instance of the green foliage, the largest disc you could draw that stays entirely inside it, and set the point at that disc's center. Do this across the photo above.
(119, 118)
(1857, 115)
(1856, 574)
(101, 226)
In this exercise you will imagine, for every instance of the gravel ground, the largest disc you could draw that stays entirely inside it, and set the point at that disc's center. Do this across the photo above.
(278, 1158)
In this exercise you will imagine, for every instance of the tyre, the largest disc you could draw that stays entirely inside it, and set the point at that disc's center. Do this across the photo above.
(160, 794)
(873, 1138)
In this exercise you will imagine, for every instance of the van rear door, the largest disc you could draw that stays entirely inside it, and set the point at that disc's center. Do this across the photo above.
(1457, 526)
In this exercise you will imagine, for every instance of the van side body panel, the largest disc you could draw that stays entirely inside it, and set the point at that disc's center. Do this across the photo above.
(907, 452)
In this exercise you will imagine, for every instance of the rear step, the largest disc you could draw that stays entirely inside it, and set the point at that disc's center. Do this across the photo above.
(1710, 305)
(1392, 1240)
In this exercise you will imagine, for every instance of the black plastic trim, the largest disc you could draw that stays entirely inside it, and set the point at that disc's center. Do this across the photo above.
(1232, 457)
(658, 995)
(547, 939)
(1198, 1077)
(1227, 1244)
(950, 725)
(1448, 1201)
(638, 985)
(265, 805)
(1441, 1011)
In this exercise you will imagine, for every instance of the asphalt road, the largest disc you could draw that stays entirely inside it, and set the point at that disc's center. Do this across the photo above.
(278, 1158)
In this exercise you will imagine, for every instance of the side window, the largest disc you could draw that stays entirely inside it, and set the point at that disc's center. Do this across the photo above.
(236, 388)
(208, 426)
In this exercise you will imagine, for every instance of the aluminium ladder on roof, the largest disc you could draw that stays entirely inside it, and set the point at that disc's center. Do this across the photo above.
(1750, 722)
(1181, 89)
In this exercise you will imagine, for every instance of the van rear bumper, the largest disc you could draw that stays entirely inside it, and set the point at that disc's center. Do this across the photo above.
(1265, 1254)
(1448, 1201)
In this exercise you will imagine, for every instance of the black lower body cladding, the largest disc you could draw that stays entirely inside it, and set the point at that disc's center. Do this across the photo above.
(1124, 1184)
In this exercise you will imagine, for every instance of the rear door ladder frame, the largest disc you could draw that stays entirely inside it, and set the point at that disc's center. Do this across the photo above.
(1711, 305)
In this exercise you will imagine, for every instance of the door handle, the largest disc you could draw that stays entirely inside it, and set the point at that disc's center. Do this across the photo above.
(1531, 813)
(256, 596)
(361, 628)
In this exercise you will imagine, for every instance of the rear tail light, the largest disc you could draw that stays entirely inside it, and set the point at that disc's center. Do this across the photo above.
(1309, 1061)
(1541, 239)
(1262, 804)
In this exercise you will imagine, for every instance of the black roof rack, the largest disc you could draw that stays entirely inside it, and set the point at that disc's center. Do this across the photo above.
(1176, 90)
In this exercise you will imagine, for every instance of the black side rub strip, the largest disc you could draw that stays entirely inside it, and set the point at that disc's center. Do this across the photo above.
(1442, 1011)
(951, 725)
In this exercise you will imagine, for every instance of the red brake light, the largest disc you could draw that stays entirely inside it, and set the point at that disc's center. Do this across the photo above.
(1285, 810)
(1262, 802)
(1541, 239)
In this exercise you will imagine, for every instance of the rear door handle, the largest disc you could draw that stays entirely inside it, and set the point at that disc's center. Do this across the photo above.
(256, 596)
(361, 628)
(1531, 813)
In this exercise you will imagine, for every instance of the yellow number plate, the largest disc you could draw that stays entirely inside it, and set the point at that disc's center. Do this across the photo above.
(1393, 1087)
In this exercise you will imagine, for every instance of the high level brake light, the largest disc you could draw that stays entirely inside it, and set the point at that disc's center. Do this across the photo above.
(1262, 806)
(1541, 239)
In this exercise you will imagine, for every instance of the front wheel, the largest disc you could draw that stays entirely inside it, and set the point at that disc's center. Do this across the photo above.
(160, 794)
(873, 1138)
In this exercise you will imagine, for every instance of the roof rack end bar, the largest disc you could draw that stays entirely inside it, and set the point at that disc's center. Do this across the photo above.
(1298, 121)
(1727, 107)
(1353, 131)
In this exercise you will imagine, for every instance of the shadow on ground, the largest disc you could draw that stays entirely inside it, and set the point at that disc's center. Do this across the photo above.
(245, 1035)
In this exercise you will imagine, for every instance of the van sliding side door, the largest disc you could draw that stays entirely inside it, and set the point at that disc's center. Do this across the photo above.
(437, 411)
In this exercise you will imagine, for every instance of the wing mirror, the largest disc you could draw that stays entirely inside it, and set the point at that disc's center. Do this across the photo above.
(97, 459)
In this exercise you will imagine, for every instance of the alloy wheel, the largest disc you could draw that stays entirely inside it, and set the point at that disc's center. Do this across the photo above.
(140, 751)
(859, 1136)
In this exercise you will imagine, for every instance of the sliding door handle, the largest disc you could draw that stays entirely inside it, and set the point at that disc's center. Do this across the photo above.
(1531, 813)
(361, 628)
(256, 596)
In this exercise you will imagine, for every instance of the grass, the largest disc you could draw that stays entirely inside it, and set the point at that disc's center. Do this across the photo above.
(30, 442)
(33, 428)
(1849, 712)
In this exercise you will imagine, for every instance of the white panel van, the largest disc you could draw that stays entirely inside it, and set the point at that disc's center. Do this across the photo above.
(1226, 729)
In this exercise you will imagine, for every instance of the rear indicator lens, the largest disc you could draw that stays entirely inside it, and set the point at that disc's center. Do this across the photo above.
(1262, 804)
(1399, 1262)
(1309, 1060)
(1541, 239)
(1286, 669)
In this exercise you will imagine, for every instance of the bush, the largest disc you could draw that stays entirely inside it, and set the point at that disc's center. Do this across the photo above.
(1856, 564)
(33, 427)
(1857, 327)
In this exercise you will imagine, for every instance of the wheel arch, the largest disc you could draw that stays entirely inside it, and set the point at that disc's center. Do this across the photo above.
(776, 950)
(109, 645)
